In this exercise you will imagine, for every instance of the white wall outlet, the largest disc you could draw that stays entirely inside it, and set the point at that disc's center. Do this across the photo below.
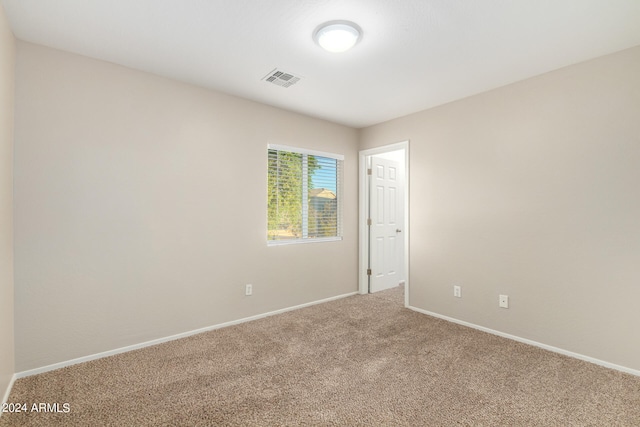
(504, 301)
(248, 290)
(457, 292)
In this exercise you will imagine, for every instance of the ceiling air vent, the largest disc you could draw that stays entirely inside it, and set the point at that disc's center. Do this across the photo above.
(281, 78)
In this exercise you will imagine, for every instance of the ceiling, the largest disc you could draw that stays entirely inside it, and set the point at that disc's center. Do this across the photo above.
(414, 54)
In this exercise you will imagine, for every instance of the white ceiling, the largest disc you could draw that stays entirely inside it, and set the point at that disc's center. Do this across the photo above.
(414, 54)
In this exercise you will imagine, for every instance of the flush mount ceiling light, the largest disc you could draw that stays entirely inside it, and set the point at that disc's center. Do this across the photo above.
(337, 36)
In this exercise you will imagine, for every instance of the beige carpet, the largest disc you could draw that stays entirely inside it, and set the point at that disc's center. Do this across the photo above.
(362, 360)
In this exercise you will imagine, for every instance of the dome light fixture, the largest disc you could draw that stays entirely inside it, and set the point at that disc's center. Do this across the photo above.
(337, 36)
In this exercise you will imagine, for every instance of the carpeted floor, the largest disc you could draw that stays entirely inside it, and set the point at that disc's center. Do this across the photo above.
(362, 360)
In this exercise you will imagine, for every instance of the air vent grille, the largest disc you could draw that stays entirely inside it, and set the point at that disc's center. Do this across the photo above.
(280, 78)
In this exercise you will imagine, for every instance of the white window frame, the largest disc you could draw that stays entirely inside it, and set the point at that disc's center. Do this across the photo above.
(305, 207)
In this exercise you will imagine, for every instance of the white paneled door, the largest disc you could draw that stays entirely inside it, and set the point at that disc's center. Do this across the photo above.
(386, 211)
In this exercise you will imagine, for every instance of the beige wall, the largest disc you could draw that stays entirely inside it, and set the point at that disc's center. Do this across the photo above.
(140, 208)
(7, 68)
(532, 190)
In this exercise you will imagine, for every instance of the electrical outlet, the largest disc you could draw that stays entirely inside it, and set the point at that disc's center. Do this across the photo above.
(248, 290)
(504, 301)
(457, 292)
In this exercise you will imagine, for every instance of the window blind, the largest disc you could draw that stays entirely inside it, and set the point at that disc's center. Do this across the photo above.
(304, 195)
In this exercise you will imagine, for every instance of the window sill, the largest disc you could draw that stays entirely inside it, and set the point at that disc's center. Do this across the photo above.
(302, 241)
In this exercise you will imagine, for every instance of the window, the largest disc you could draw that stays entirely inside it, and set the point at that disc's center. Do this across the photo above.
(304, 201)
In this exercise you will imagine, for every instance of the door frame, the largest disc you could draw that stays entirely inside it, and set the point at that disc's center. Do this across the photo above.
(363, 247)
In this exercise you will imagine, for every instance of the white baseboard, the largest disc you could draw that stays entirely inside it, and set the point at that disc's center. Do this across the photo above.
(8, 391)
(169, 338)
(530, 342)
